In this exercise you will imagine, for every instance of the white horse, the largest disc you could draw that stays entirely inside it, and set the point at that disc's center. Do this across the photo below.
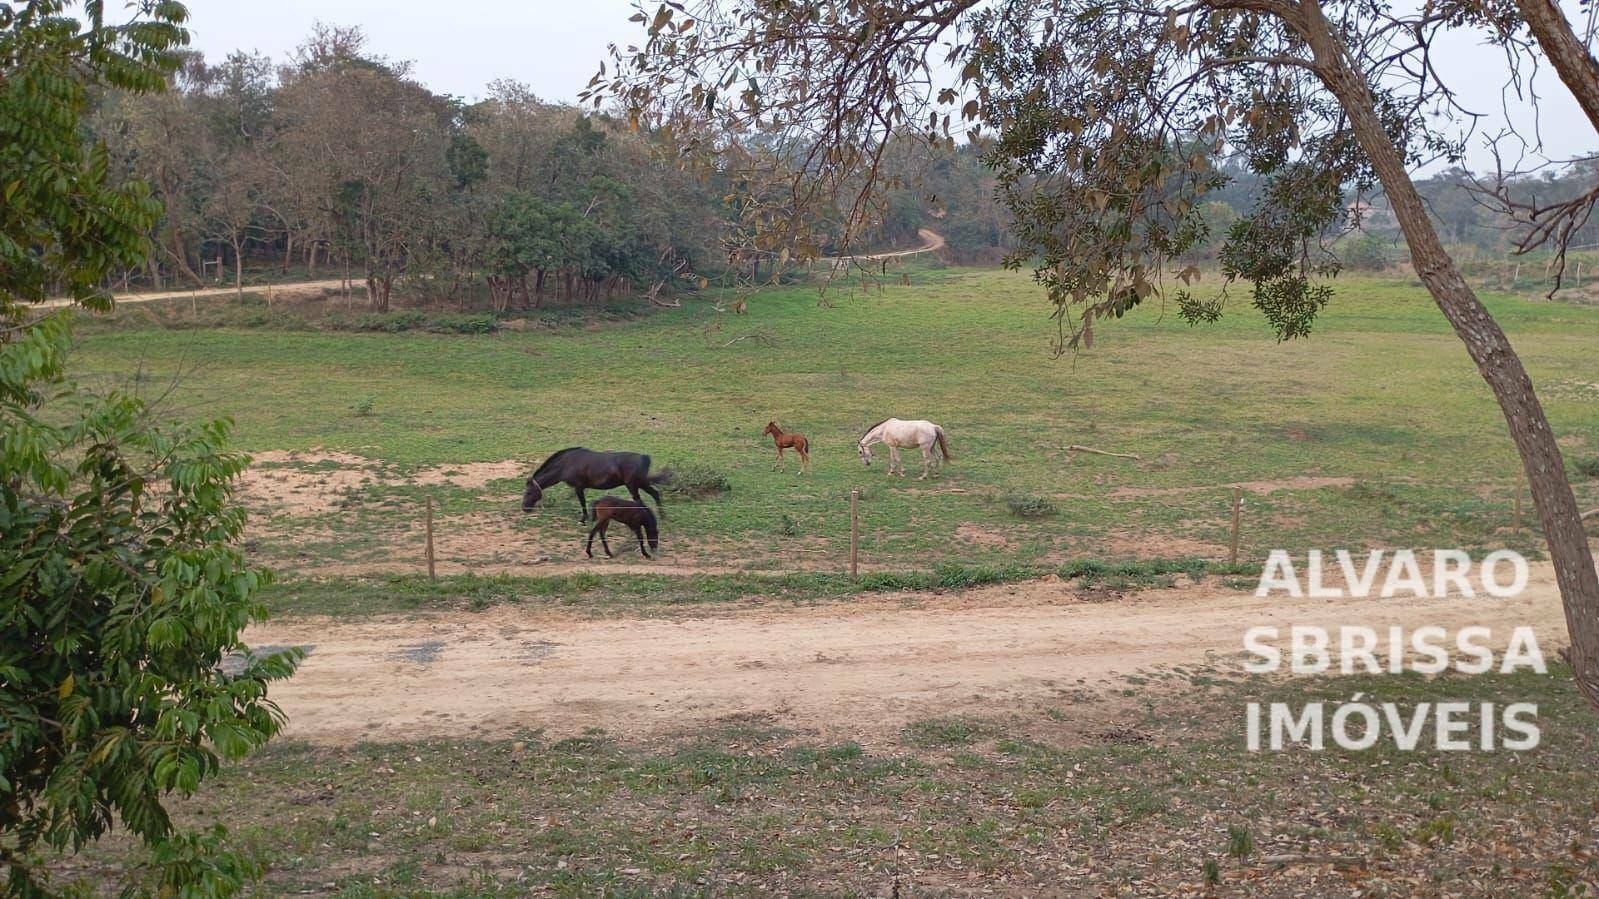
(897, 435)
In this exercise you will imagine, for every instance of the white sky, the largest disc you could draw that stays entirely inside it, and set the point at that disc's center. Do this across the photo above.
(555, 46)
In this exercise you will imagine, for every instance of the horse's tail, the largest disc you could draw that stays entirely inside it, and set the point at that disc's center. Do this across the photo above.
(664, 477)
(652, 530)
(942, 446)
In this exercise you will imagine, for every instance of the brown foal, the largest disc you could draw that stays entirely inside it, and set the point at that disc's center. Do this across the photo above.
(795, 442)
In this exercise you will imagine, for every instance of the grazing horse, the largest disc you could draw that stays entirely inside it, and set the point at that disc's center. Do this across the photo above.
(637, 516)
(584, 469)
(897, 435)
(796, 442)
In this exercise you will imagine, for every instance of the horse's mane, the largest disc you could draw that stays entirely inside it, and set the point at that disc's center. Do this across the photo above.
(876, 426)
(553, 457)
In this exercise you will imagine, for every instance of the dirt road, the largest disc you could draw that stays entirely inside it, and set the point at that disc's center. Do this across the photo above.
(296, 287)
(842, 670)
(931, 242)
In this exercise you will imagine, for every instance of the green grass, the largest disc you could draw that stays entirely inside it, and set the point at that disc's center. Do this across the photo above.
(1152, 798)
(1382, 394)
(355, 596)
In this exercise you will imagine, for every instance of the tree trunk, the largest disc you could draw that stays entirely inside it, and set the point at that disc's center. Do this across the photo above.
(1566, 52)
(238, 269)
(180, 252)
(310, 258)
(372, 286)
(1489, 348)
(538, 288)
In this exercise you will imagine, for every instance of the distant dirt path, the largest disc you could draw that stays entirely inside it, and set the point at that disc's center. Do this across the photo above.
(291, 288)
(857, 670)
(931, 241)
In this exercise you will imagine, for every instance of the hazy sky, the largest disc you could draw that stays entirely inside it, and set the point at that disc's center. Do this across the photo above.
(555, 46)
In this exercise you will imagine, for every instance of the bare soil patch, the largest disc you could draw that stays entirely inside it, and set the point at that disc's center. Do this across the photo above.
(860, 671)
(1300, 482)
(302, 484)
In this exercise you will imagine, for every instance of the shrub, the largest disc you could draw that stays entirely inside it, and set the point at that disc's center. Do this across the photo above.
(1030, 505)
(1366, 252)
(696, 480)
(125, 591)
(1589, 467)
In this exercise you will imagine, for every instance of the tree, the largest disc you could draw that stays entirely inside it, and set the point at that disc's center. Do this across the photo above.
(122, 587)
(526, 241)
(371, 146)
(1109, 118)
(162, 139)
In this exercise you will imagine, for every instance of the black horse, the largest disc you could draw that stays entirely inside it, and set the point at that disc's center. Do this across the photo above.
(637, 516)
(584, 469)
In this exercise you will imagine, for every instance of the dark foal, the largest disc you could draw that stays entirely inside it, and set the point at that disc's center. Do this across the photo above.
(637, 516)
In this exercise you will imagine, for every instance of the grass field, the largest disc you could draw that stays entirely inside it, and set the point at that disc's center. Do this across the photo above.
(1134, 790)
(1376, 430)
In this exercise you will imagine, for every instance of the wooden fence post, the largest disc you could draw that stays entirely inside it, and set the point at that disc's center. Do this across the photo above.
(432, 575)
(1521, 484)
(1238, 506)
(855, 535)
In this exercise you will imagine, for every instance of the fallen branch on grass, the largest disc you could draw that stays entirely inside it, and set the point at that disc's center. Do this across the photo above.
(1591, 513)
(1301, 859)
(760, 337)
(1079, 448)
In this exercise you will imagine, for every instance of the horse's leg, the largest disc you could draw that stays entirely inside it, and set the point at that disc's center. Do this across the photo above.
(605, 526)
(650, 489)
(805, 461)
(894, 461)
(634, 490)
(588, 548)
(583, 506)
(927, 460)
(639, 533)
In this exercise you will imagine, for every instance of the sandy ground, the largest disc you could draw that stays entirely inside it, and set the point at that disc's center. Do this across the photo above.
(857, 671)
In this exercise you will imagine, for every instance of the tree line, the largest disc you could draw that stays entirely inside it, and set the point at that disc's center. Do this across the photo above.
(338, 162)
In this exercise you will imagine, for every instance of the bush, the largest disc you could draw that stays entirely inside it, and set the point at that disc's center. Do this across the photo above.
(1030, 505)
(1589, 467)
(125, 590)
(697, 480)
(1366, 253)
